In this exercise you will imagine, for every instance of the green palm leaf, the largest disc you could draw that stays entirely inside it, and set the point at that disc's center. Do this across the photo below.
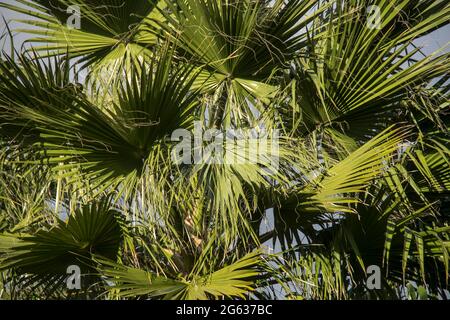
(113, 34)
(231, 281)
(110, 143)
(46, 255)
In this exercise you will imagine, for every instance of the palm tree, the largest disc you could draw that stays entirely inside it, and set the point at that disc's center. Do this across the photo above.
(357, 176)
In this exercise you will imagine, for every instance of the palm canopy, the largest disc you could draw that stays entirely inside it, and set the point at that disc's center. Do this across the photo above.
(356, 173)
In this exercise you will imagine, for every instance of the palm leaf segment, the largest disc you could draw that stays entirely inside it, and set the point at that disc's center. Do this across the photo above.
(109, 142)
(114, 33)
(46, 255)
(231, 281)
(239, 45)
(402, 246)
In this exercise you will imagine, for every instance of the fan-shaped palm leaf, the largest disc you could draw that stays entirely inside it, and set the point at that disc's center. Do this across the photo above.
(46, 255)
(112, 34)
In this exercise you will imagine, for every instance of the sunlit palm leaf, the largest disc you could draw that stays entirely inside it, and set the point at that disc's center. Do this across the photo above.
(112, 33)
(231, 281)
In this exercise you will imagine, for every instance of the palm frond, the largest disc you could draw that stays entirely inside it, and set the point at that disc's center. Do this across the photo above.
(231, 281)
(43, 257)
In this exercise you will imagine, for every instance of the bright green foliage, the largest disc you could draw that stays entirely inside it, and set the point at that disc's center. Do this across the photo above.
(360, 176)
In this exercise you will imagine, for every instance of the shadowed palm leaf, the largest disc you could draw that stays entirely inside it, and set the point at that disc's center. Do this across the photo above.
(46, 255)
